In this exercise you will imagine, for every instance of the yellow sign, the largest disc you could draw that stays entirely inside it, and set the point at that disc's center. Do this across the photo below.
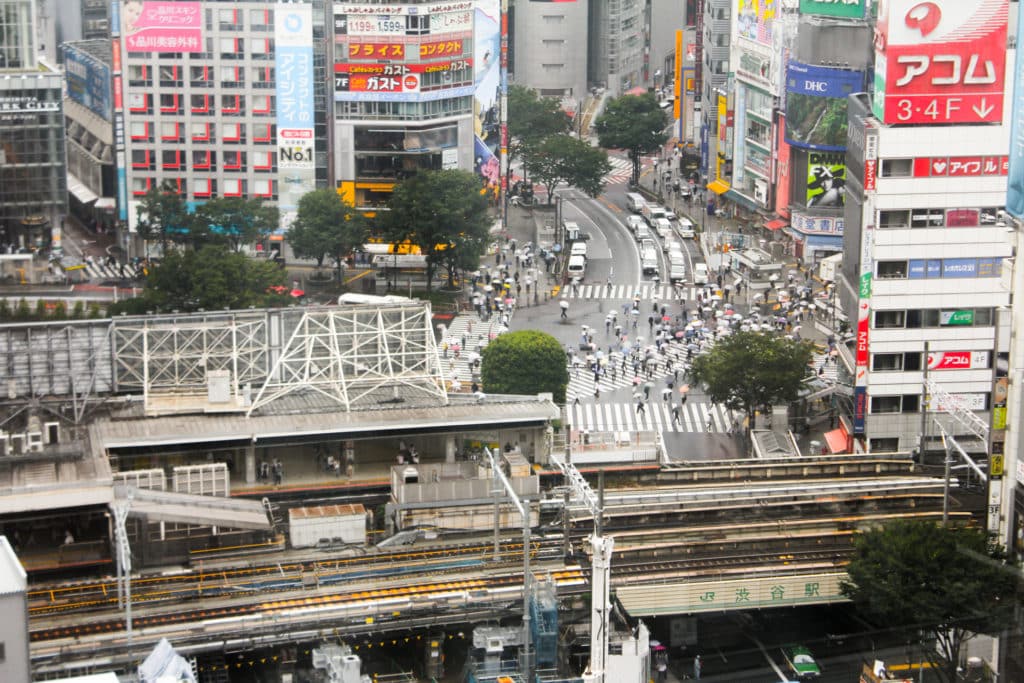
(996, 466)
(678, 72)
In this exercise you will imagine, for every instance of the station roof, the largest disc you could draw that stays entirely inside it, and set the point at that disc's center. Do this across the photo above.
(308, 415)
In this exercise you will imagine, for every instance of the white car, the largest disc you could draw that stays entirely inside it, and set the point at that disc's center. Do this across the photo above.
(686, 228)
(634, 220)
(663, 227)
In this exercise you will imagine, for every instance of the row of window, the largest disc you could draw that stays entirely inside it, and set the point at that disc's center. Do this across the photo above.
(207, 188)
(234, 20)
(933, 317)
(173, 76)
(911, 403)
(206, 133)
(930, 269)
(203, 105)
(410, 111)
(938, 218)
(202, 160)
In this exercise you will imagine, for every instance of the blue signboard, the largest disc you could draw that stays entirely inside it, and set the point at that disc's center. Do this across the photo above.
(917, 269)
(860, 409)
(88, 81)
(934, 268)
(960, 267)
(1015, 188)
(816, 105)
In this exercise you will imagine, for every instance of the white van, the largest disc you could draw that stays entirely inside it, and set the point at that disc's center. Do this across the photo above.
(700, 273)
(677, 271)
(577, 266)
(635, 202)
(642, 232)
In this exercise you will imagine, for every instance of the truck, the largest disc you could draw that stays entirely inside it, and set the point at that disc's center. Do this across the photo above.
(652, 212)
(677, 271)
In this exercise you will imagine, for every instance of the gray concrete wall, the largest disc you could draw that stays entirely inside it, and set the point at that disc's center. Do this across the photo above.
(550, 47)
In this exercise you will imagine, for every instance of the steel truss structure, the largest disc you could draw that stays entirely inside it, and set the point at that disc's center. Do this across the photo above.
(352, 353)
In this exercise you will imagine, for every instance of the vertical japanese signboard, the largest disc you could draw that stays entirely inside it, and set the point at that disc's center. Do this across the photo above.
(296, 143)
(1015, 191)
(860, 387)
(940, 62)
(119, 151)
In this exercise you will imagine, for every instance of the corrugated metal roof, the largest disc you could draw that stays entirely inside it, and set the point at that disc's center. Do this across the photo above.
(13, 579)
(306, 415)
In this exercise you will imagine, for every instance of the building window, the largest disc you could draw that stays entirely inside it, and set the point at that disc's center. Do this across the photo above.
(140, 103)
(229, 19)
(891, 270)
(887, 320)
(261, 19)
(262, 104)
(170, 76)
(170, 103)
(263, 161)
(201, 104)
(886, 445)
(232, 104)
(141, 131)
(885, 404)
(886, 362)
(232, 77)
(262, 48)
(234, 161)
(927, 218)
(204, 160)
(170, 131)
(202, 132)
(894, 219)
(199, 77)
(139, 75)
(263, 77)
(204, 188)
(265, 188)
(170, 160)
(233, 132)
(140, 186)
(142, 159)
(263, 133)
(232, 48)
(234, 187)
(897, 168)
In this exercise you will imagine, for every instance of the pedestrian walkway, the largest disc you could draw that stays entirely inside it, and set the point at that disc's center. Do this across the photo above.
(466, 336)
(646, 292)
(622, 169)
(656, 416)
(619, 375)
(101, 270)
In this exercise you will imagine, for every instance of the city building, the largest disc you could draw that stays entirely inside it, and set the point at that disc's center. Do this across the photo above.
(89, 115)
(924, 238)
(616, 51)
(829, 53)
(416, 86)
(33, 187)
(95, 19)
(713, 31)
(219, 99)
(545, 47)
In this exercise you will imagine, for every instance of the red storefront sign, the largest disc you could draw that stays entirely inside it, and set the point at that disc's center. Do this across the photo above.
(925, 167)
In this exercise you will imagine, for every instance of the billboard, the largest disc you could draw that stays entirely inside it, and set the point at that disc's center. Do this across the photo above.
(816, 105)
(940, 64)
(756, 19)
(784, 164)
(1015, 189)
(487, 91)
(162, 26)
(88, 82)
(958, 360)
(296, 141)
(826, 179)
(833, 8)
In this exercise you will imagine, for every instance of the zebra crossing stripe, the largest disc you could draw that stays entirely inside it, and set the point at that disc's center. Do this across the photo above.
(645, 292)
(656, 416)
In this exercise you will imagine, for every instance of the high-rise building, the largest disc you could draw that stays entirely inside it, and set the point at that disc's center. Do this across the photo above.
(220, 99)
(548, 53)
(33, 188)
(924, 242)
(714, 34)
(416, 86)
(616, 50)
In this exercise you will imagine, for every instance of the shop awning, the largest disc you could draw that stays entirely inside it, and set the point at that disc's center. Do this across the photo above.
(718, 186)
(743, 200)
(106, 203)
(79, 191)
(777, 224)
(836, 440)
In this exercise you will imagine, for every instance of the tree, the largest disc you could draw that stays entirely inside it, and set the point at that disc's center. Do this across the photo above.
(164, 217)
(238, 221)
(325, 226)
(749, 370)
(948, 581)
(444, 213)
(526, 362)
(563, 158)
(635, 123)
(532, 118)
(214, 277)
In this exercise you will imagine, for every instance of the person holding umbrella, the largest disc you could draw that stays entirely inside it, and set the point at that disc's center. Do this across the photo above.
(564, 305)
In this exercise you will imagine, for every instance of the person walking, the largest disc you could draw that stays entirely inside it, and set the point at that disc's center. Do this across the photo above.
(640, 408)
(675, 413)
(564, 305)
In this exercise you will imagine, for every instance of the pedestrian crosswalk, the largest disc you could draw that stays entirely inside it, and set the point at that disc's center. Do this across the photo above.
(622, 169)
(656, 416)
(645, 292)
(102, 270)
(617, 375)
(465, 337)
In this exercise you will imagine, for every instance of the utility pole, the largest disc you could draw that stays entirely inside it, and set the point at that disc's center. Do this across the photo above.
(924, 400)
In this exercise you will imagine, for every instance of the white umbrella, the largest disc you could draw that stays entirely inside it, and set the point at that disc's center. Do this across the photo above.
(737, 317)
(488, 288)
(774, 277)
